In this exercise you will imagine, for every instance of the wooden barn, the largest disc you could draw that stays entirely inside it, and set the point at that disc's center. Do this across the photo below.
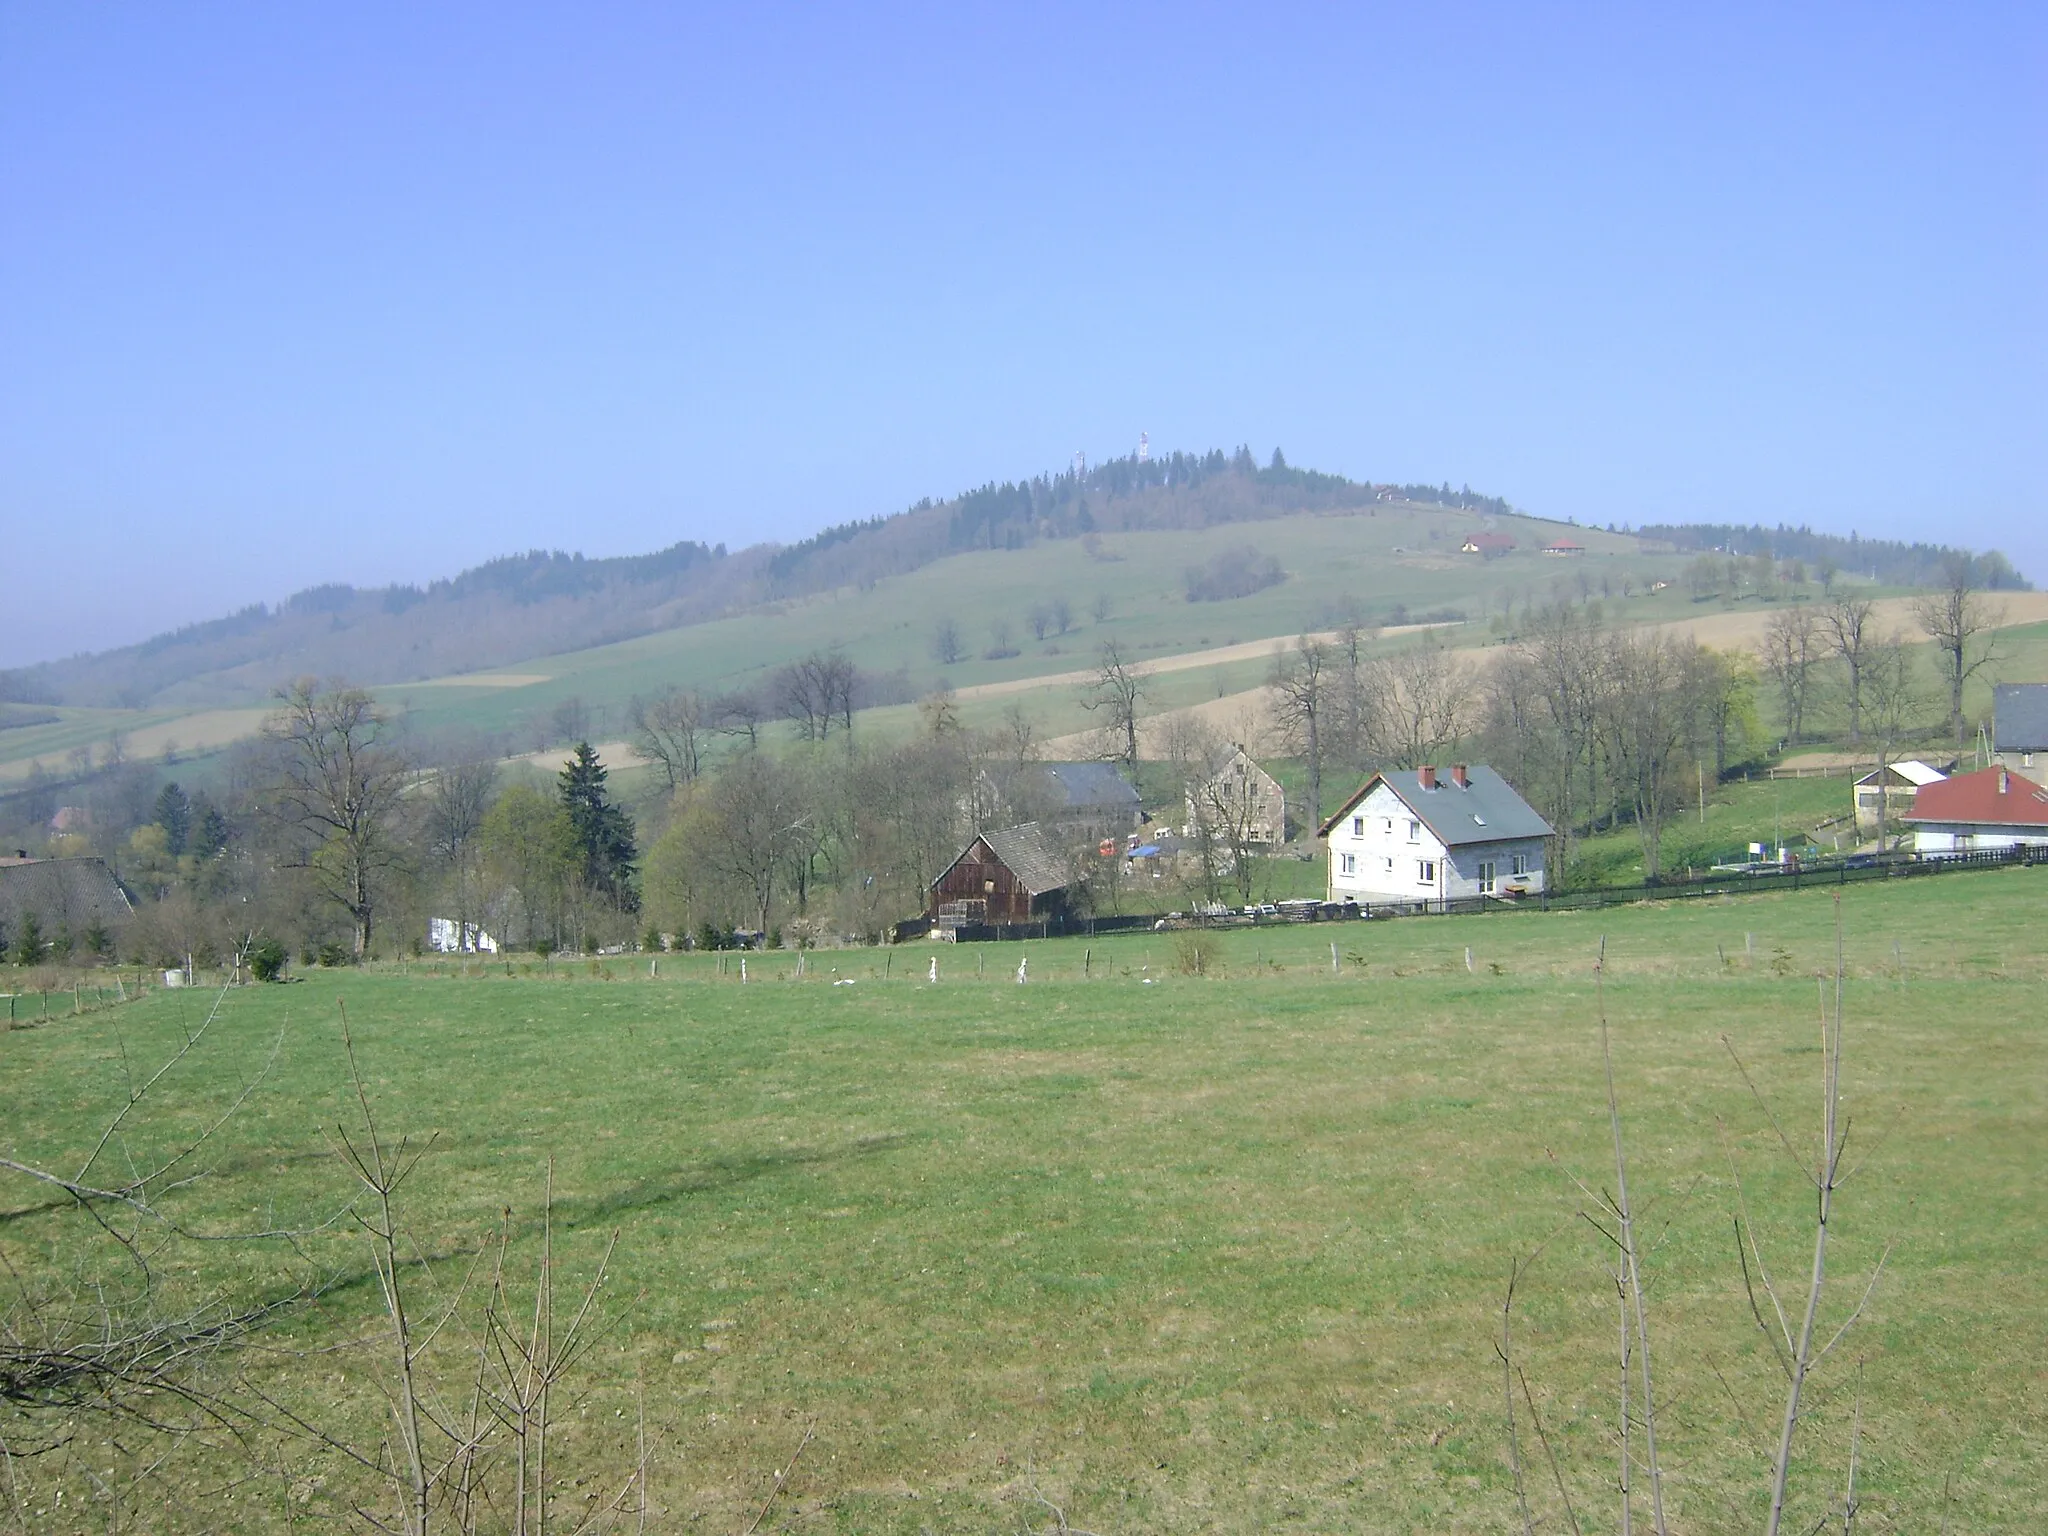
(1007, 876)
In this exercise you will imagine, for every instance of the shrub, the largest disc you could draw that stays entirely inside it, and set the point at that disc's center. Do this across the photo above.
(267, 960)
(1197, 952)
(332, 954)
(1235, 572)
(28, 944)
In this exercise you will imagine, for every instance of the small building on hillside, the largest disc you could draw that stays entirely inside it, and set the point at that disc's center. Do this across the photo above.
(68, 897)
(1993, 808)
(1895, 786)
(1413, 837)
(2019, 728)
(1011, 875)
(1074, 802)
(1488, 546)
(1238, 801)
(1564, 548)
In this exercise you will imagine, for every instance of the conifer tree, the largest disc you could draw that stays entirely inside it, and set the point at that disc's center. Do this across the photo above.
(603, 831)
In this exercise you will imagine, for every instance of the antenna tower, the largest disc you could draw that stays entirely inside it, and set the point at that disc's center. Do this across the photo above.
(1144, 447)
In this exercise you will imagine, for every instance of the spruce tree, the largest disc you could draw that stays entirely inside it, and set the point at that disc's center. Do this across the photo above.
(174, 815)
(603, 831)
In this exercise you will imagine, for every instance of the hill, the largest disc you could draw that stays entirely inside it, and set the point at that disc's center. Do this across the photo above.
(994, 592)
(548, 603)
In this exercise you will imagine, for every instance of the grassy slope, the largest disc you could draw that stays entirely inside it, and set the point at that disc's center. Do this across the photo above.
(1200, 1254)
(1330, 559)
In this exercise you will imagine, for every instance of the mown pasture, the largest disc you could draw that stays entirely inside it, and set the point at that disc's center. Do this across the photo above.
(1174, 1252)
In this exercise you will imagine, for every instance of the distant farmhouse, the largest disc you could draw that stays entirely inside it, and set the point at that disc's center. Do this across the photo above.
(2019, 728)
(1488, 546)
(1012, 875)
(1895, 787)
(1070, 802)
(68, 897)
(1413, 837)
(1993, 808)
(1564, 549)
(1240, 799)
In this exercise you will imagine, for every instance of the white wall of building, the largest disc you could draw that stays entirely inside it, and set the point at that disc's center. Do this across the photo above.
(1962, 838)
(1382, 852)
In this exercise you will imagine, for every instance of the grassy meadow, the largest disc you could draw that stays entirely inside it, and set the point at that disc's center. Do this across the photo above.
(1174, 1252)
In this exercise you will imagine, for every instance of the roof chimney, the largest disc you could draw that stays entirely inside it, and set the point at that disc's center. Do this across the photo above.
(2004, 780)
(1427, 774)
(1458, 776)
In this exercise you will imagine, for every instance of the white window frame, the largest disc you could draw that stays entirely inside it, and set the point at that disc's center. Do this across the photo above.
(1347, 864)
(1425, 872)
(1414, 830)
(1358, 826)
(1486, 877)
(1519, 864)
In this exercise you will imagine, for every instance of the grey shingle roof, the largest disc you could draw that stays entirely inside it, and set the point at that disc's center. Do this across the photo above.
(1092, 786)
(62, 893)
(2019, 717)
(1027, 855)
(1487, 810)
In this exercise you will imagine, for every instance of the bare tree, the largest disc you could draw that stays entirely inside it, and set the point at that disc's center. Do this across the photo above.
(1062, 613)
(740, 714)
(458, 798)
(1114, 693)
(1961, 621)
(1040, 620)
(1792, 647)
(815, 690)
(1301, 680)
(340, 777)
(947, 649)
(742, 832)
(1426, 701)
(1847, 623)
(1891, 697)
(669, 730)
(1648, 731)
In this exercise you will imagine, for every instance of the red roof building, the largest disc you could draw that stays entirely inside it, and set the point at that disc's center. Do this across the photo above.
(1487, 545)
(1564, 547)
(1991, 808)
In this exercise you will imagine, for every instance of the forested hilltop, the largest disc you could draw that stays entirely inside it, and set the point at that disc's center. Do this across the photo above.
(542, 603)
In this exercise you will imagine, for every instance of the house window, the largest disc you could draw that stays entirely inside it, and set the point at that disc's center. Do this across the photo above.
(1387, 826)
(1347, 864)
(1486, 878)
(1425, 871)
(1390, 866)
(1521, 864)
(1414, 831)
(1358, 826)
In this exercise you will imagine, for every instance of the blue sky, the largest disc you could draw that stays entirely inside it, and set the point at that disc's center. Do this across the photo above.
(293, 294)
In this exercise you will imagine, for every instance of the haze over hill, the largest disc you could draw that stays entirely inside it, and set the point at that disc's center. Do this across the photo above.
(521, 607)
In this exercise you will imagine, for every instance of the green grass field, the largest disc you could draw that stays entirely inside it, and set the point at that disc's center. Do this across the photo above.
(1177, 1253)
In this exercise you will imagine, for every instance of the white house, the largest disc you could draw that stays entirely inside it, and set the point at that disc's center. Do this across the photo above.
(1411, 836)
(1896, 786)
(446, 937)
(1991, 809)
(1238, 800)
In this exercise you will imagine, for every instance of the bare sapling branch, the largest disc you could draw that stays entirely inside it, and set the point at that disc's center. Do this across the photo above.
(1630, 1259)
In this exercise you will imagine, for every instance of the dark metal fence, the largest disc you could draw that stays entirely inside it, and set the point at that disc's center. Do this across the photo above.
(1904, 866)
